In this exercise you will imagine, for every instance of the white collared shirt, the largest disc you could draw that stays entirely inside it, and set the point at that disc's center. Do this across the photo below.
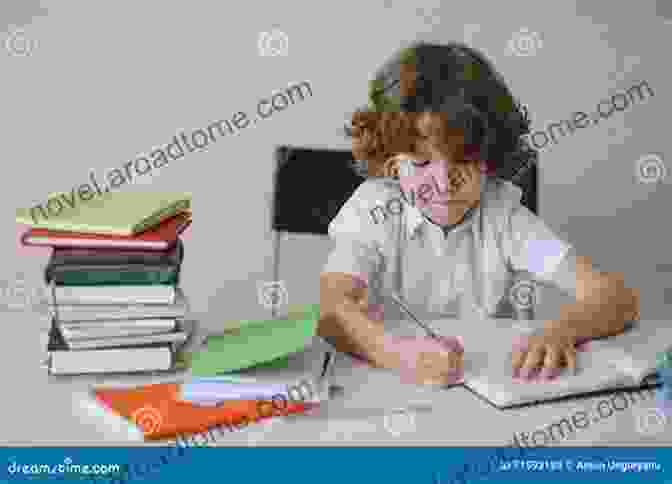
(467, 272)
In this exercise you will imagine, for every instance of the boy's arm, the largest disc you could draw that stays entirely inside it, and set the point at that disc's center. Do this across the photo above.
(603, 304)
(343, 318)
(344, 322)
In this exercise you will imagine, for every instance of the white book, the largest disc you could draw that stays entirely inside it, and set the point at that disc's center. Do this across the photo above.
(62, 361)
(155, 323)
(153, 294)
(89, 312)
(174, 337)
(76, 331)
(124, 360)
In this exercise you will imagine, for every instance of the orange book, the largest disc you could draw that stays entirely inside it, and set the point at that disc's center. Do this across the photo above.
(158, 411)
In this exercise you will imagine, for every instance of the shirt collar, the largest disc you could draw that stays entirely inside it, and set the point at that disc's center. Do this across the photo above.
(416, 220)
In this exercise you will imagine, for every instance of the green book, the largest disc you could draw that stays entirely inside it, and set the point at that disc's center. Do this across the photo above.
(254, 343)
(140, 277)
(112, 213)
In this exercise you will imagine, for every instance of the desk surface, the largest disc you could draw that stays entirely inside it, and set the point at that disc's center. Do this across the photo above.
(44, 410)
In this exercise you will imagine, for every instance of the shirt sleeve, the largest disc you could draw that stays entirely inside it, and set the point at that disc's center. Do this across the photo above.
(530, 245)
(356, 248)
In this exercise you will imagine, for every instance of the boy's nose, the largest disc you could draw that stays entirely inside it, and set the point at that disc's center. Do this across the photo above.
(446, 177)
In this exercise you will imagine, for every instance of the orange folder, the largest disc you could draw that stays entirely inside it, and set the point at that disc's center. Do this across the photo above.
(159, 412)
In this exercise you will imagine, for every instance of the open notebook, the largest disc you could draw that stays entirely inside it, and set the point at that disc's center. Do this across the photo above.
(624, 361)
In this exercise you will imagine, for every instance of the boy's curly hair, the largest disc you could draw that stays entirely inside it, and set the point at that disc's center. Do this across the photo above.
(459, 84)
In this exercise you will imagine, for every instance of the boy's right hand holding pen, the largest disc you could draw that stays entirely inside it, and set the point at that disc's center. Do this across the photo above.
(434, 359)
(426, 360)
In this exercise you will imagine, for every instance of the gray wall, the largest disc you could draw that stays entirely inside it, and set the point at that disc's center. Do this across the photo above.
(107, 81)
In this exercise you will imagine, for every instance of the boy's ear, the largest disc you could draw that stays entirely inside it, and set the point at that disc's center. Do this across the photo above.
(391, 166)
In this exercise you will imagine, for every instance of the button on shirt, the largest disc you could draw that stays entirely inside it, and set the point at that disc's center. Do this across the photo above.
(468, 271)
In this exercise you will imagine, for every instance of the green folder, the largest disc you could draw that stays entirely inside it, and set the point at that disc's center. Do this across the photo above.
(254, 343)
(111, 213)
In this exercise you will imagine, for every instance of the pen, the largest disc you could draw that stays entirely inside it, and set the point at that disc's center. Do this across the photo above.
(325, 364)
(428, 330)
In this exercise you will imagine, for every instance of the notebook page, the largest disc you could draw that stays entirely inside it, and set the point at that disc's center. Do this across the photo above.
(488, 369)
(493, 378)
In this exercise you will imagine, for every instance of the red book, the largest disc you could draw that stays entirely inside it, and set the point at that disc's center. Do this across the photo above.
(158, 411)
(161, 237)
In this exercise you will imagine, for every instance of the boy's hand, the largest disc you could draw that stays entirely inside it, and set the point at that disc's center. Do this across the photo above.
(545, 353)
(420, 360)
(443, 366)
(358, 304)
(425, 360)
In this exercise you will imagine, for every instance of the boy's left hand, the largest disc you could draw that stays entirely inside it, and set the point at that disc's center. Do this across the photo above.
(547, 353)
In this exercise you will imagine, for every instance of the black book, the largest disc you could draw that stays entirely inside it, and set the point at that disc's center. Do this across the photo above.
(77, 266)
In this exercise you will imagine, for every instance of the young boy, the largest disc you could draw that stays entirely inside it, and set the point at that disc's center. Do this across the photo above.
(440, 124)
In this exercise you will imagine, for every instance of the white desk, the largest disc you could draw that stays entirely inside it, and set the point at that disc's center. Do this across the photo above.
(38, 409)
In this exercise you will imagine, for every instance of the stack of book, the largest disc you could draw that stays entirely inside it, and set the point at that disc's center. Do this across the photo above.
(113, 282)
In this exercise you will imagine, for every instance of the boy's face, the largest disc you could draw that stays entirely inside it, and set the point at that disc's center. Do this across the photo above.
(438, 178)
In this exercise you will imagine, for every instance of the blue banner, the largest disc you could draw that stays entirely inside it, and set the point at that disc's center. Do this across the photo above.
(416, 465)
